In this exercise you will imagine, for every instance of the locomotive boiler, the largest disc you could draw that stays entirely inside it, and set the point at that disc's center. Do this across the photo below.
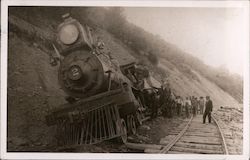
(103, 102)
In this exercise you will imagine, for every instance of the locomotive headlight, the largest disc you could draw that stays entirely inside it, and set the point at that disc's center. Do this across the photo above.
(68, 34)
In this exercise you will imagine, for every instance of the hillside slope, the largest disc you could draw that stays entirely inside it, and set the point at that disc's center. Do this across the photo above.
(198, 85)
(32, 90)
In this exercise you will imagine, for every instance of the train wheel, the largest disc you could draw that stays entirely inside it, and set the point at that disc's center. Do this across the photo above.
(132, 124)
(122, 129)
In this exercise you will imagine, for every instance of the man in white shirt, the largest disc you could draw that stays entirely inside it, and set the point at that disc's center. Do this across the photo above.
(178, 101)
(187, 106)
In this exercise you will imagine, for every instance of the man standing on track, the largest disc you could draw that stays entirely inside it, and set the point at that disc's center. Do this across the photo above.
(208, 110)
(179, 103)
(187, 106)
(194, 105)
(201, 105)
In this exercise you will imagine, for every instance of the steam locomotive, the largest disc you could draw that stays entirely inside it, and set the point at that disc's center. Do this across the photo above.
(105, 100)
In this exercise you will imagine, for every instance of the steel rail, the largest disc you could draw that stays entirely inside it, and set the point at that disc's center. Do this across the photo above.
(222, 135)
(172, 143)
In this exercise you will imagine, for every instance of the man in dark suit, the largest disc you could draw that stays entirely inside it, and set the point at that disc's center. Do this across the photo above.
(208, 110)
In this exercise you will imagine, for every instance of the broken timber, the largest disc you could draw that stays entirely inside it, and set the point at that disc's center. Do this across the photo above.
(138, 146)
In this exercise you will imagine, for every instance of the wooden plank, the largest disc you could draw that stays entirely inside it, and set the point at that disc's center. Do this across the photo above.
(201, 132)
(199, 141)
(202, 135)
(164, 142)
(167, 148)
(212, 139)
(204, 127)
(204, 131)
(139, 146)
(198, 146)
(169, 137)
(199, 151)
(149, 150)
(203, 138)
(177, 152)
(172, 134)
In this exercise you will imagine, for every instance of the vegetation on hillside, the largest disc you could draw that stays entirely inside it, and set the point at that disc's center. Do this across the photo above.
(140, 41)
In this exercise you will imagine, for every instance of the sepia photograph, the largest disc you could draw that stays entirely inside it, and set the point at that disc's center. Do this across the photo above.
(140, 80)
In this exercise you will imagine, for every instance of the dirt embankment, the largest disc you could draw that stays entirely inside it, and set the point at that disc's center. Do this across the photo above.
(231, 122)
(32, 91)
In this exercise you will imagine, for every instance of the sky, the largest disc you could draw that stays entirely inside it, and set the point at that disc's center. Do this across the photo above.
(217, 36)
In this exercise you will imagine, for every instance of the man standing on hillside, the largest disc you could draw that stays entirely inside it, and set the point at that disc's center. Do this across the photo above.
(208, 110)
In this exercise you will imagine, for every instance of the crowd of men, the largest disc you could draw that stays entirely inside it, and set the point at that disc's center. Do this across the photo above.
(165, 102)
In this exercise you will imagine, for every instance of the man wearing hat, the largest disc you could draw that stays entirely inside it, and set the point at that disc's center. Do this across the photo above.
(208, 110)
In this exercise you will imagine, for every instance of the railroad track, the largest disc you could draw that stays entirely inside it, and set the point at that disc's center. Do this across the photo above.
(197, 138)
(194, 137)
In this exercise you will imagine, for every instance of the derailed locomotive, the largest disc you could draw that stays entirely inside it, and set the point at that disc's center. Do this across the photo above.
(104, 99)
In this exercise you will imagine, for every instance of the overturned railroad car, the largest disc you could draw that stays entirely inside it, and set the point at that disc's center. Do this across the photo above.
(103, 102)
